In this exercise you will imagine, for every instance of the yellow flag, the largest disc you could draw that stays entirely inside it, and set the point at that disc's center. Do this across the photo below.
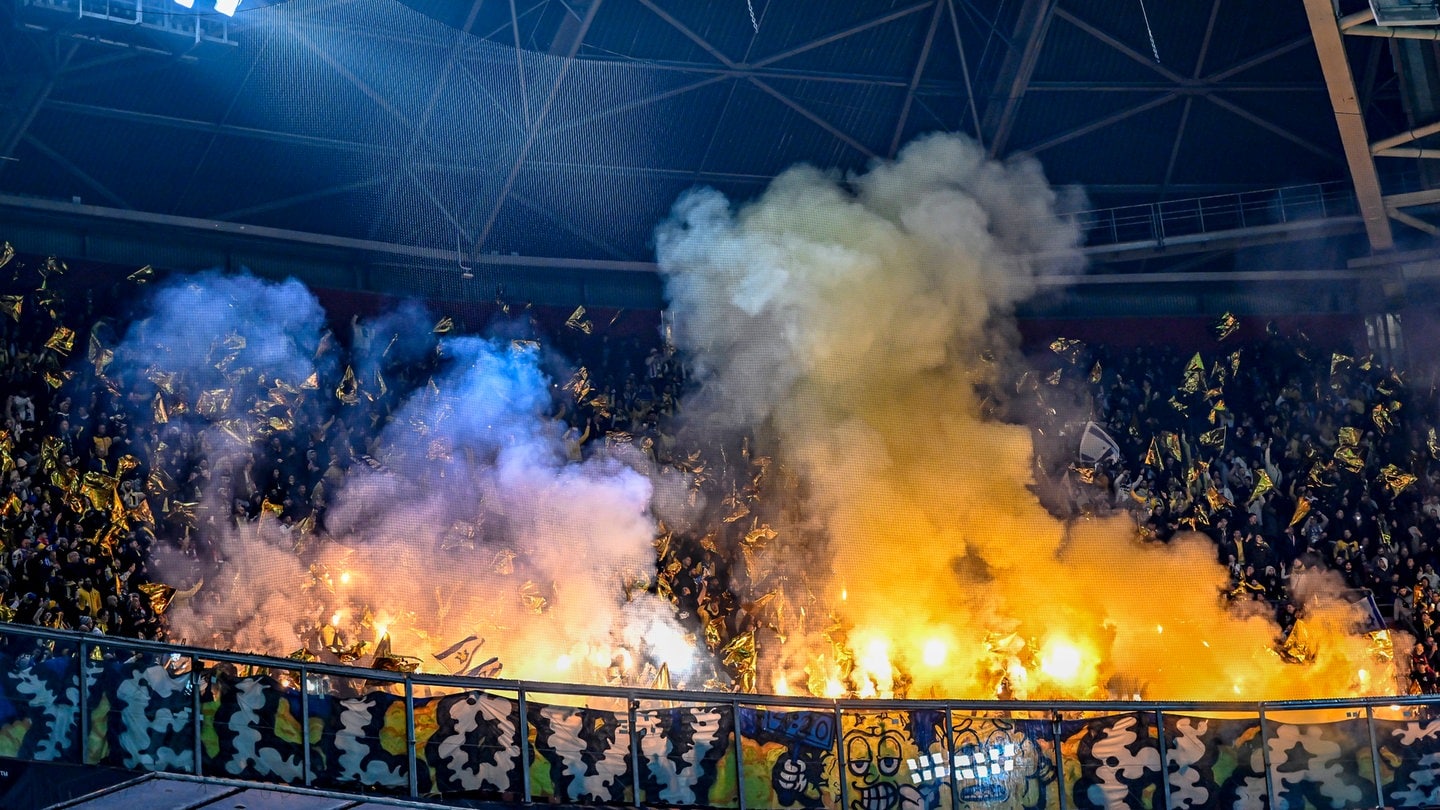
(142, 275)
(7, 252)
(62, 341)
(1263, 484)
(1194, 375)
(1227, 326)
(1172, 443)
(577, 320)
(1213, 438)
(444, 327)
(1302, 508)
(1395, 479)
(1349, 436)
(348, 391)
(1350, 459)
(1384, 416)
(11, 305)
(1067, 348)
(1152, 456)
(1340, 362)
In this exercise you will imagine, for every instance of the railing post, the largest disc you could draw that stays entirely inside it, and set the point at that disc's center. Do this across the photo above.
(739, 755)
(410, 737)
(634, 752)
(842, 757)
(950, 757)
(1164, 756)
(1059, 759)
(1375, 755)
(84, 670)
(305, 724)
(1265, 755)
(197, 706)
(524, 732)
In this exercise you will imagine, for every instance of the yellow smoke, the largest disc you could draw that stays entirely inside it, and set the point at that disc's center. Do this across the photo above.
(848, 320)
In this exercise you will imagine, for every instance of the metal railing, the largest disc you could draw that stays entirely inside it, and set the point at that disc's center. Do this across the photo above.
(148, 706)
(1158, 222)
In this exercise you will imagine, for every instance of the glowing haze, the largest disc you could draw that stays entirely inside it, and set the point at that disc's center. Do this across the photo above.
(843, 321)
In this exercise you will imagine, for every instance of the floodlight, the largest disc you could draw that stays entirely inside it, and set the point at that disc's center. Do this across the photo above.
(227, 7)
(1405, 12)
(185, 3)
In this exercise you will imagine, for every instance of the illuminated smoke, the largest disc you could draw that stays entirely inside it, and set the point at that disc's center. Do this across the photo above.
(463, 516)
(843, 321)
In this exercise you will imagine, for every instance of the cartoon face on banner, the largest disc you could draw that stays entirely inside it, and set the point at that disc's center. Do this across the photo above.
(896, 760)
(789, 758)
(1002, 763)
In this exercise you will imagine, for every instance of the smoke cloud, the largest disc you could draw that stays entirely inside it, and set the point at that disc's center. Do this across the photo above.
(845, 321)
(461, 523)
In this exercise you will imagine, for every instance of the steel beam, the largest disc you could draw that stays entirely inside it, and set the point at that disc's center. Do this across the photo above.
(1413, 221)
(1270, 126)
(1410, 152)
(1404, 137)
(1427, 197)
(965, 71)
(1015, 72)
(1394, 31)
(1325, 30)
(193, 125)
(690, 35)
(1113, 118)
(815, 119)
(1097, 33)
(79, 173)
(29, 99)
(297, 199)
(534, 131)
(915, 79)
(452, 61)
(884, 19)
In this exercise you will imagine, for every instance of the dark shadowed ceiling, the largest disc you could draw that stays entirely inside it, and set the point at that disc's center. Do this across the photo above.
(566, 128)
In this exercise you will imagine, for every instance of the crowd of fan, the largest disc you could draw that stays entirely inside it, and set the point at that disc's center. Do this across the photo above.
(1287, 456)
(1326, 460)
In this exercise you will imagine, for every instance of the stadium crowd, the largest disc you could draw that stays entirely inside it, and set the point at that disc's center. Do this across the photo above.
(1288, 456)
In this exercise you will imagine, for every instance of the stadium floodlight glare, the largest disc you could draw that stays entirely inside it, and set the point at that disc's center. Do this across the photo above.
(227, 7)
(185, 3)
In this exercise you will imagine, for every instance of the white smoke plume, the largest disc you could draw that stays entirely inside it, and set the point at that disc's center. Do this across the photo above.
(462, 517)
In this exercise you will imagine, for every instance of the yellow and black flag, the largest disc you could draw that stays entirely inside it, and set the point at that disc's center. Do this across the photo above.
(1227, 326)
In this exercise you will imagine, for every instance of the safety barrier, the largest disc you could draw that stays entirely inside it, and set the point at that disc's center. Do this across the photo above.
(1155, 223)
(151, 707)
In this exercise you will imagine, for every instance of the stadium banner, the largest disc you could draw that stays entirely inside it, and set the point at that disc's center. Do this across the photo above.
(139, 713)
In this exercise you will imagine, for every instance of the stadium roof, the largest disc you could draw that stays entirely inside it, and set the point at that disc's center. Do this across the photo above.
(565, 129)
